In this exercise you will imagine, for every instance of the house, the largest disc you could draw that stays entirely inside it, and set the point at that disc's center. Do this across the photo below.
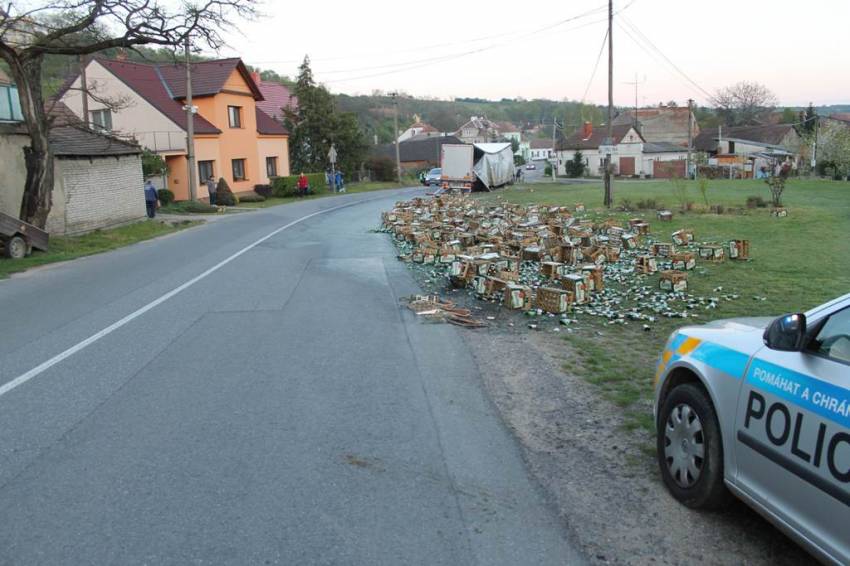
(97, 178)
(478, 130)
(418, 153)
(418, 128)
(748, 150)
(508, 131)
(664, 124)
(633, 155)
(540, 149)
(276, 98)
(234, 138)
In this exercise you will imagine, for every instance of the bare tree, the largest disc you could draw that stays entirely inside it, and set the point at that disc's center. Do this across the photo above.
(29, 31)
(744, 103)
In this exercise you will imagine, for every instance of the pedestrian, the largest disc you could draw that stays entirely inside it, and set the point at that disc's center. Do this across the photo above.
(303, 185)
(211, 188)
(151, 198)
(340, 186)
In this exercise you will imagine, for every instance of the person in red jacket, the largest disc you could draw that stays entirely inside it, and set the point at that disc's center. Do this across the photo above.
(303, 185)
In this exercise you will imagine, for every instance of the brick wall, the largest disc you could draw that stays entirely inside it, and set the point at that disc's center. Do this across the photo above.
(98, 192)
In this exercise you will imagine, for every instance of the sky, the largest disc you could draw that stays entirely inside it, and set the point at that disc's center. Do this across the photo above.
(673, 49)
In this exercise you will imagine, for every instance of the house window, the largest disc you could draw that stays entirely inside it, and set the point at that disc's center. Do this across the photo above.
(234, 116)
(102, 119)
(10, 104)
(238, 169)
(271, 166)
(205, 171)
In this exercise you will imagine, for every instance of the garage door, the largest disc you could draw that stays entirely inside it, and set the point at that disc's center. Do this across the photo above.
(668, 169)
(627, 166)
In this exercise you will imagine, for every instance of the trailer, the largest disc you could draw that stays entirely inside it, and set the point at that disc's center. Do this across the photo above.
(456, 163)
(494, 165)
(18, 238)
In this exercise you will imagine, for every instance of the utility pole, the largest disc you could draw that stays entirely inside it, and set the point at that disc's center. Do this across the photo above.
(609, 189)
(690, 135)
(84, 86)
(395, 132)
(190, 128)
(815, 146)
(554, 151)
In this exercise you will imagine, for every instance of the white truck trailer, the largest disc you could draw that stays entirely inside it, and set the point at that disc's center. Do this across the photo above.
(456, 161)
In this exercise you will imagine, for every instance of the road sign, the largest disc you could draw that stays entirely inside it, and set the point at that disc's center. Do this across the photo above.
(332, 155)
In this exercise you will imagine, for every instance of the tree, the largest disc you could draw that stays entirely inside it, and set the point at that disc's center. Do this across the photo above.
(316, 125)
(808, 119)
(744, 103)
(575, 166)
(29, 32)
(834, 147)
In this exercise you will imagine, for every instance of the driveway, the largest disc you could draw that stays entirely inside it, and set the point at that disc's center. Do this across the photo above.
(250, 392)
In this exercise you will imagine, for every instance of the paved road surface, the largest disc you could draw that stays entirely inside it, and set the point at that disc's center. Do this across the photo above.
(280, 409)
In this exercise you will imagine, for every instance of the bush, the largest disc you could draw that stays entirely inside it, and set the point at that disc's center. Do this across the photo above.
(166, 197)
(223, 195)
(547, 171)
(197, 207)
(648, 204)
(264, 191)
(626, 205)
(756, 202)
(288, 186)
(251, 197)
(382, 168)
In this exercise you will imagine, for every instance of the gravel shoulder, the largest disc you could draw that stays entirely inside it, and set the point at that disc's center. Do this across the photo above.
(599, 475)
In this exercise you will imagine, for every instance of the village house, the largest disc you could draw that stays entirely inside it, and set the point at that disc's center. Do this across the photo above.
(540, 149)
(417, 129)
(234, 138)
(478, 130)
(97, 178)
(751, 151)
(416, 154)
(663, 124)
(633, 155)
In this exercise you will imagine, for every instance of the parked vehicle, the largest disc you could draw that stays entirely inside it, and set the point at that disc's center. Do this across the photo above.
(18, 238)
(531, 167)
(432, 177)
(761, 409)
(456, 171)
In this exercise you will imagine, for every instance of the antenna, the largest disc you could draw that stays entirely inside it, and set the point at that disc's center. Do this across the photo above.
(636, 83)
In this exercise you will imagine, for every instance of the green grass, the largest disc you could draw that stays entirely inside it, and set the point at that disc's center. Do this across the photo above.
(797, 262)
(67, 248)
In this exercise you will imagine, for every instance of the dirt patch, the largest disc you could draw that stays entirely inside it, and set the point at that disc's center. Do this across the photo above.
(600, 475)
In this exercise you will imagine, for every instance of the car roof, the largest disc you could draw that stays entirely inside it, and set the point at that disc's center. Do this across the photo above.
(840, 302)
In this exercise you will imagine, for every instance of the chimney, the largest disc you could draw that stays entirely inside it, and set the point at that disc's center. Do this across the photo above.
(256, 76)
(587, 131)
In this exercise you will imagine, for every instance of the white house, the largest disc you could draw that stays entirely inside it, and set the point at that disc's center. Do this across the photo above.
(632, 156)
(541, 149)
(418, 128)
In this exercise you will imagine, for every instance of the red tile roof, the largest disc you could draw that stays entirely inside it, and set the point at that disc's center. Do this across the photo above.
(277, 97)
(576, 141)
(147, 81)
(208, 77)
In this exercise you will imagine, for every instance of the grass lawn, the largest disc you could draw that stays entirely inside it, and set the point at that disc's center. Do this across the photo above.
(798, 262)
(349, 189)
(66, 248)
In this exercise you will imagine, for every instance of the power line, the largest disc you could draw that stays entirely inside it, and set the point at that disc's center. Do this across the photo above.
(595, 66)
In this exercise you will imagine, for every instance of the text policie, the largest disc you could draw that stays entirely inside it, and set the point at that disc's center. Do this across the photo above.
(557, 260)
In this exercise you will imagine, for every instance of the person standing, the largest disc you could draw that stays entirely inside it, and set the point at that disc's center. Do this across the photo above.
(151, 198)
(340, 186)
(211, 188)
(303, 185)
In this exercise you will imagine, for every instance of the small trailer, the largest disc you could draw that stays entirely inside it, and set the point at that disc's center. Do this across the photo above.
(18, 238)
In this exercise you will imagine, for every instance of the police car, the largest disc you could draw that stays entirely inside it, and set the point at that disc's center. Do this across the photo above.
(761, 408)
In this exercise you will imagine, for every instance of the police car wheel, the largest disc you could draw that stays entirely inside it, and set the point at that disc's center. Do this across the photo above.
(690, 451)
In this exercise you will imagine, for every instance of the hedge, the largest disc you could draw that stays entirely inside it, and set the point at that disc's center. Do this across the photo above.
(288, 186)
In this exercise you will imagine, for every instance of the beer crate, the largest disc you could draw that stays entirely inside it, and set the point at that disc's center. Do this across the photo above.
(664, 215)
(673, 281)
(711, 252)
(594, 277)
(663, 249)
(552, 300)
(683, 237)
(739, 249)
(576, 285)
(646, 264)
(550, 269)
(683, 261)
(517, 297)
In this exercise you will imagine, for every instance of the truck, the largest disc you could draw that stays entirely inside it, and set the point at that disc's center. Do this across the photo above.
(457, 163)
(481, 166)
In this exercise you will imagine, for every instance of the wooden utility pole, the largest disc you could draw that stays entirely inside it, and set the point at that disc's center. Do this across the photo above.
(688, 173)
(395, 130)
(84, 86)
(554, 154)
(190, 128)
(609, 189)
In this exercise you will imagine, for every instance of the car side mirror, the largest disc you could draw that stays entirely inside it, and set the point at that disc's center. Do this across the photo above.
(787, 333)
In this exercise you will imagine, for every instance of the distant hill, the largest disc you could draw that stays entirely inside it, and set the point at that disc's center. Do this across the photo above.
(375, 113)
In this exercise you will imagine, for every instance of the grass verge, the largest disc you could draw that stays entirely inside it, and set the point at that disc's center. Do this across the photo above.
(798, 262)
(66, 248)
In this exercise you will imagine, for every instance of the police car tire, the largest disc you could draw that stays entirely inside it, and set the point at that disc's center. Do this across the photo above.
(709, 492)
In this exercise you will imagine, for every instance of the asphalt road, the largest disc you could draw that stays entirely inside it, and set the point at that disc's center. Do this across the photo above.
(175, 403)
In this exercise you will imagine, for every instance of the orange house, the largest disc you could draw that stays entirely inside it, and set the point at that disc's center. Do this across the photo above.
(234, 139)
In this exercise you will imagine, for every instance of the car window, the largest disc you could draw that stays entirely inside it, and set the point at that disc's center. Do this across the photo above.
(833, 339)
(435, 171)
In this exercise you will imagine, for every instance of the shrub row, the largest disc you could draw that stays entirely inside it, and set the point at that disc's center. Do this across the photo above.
(288, 186)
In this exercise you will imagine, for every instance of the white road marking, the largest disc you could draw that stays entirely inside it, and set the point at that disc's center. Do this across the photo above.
(23, 378)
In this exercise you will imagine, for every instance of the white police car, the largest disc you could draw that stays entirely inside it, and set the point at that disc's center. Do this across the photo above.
(761, 409)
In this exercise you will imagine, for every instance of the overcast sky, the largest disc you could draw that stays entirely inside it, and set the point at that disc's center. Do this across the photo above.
(548, 48)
